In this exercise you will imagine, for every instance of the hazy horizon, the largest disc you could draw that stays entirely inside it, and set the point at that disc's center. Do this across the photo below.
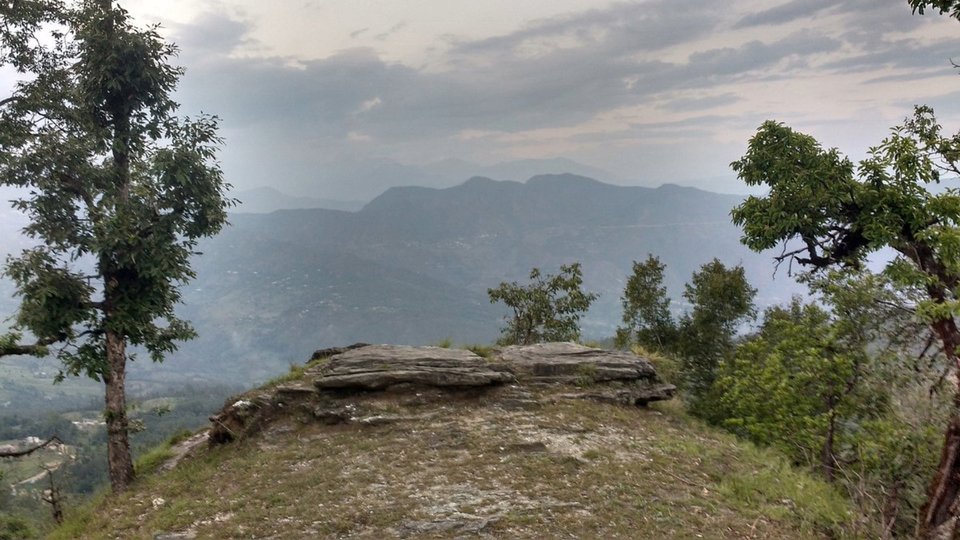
(314, 95)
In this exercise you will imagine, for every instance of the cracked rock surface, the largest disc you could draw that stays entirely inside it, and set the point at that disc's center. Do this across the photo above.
(333, 389)
(376, 367)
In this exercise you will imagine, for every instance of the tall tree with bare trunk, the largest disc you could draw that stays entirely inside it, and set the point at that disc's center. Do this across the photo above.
(118, 191)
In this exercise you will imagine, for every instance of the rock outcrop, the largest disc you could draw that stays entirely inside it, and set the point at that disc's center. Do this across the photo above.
(336, 390)
(616, 376)
(381, 366)
(569, 362)
(333, 351)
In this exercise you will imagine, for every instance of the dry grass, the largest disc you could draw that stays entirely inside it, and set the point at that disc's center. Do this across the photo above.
(562, 469)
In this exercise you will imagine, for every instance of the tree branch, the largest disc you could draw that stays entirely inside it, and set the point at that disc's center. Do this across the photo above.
(75, 187)
(28, 451)
(100, 306)
(26, 350)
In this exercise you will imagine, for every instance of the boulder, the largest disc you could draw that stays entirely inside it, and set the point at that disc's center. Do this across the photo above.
(615, 376)
(376, 367)
(571, 363)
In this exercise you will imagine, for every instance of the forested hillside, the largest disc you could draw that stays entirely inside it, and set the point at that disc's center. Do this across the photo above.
(413, 266)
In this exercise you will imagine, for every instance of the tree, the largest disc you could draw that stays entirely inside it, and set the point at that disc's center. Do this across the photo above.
(826, 213)
(547, 309)
(796, 384)
(839, 385)
(722, 300)
(646, 308)
(943, 6)
(120, 192)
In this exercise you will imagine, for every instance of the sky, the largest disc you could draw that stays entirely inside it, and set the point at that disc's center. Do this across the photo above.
(651, 91)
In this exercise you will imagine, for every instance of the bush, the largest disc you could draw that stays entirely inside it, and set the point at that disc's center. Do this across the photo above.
(14, 528)
(547, 309)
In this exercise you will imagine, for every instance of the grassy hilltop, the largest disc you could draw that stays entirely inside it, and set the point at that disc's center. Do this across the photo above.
(529, 461)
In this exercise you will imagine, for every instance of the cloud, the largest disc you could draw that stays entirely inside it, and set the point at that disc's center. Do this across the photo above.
(584, 78)
(946, 104)
(358, 137)
(756, 55)
(486, 85)
(700, 103)
(370, 105)
(785, 13)
(393, 30)
(211, 34)
(908, 54)
(620, 29)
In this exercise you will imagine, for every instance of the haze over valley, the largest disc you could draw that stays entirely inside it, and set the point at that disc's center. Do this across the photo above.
(413, 266)
(436, 269)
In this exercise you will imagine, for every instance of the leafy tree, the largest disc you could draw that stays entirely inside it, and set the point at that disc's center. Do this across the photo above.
(828, 213)
(827, 384)
(722, 300)
(943, 6)
(546, 309)
(120, 191)
(795, 384)
(646, 308)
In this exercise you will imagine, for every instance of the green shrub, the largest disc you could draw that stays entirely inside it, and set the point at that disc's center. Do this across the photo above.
(15, 528)
(667, 366)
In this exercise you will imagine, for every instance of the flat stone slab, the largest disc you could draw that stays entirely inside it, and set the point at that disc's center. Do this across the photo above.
(376, 367)
(572, 363)
(612, 376)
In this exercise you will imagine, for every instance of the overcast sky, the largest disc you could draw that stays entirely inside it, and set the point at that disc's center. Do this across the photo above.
(654, 91)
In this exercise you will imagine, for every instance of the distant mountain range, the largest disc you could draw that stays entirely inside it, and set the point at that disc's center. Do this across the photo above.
(348, 180)
(413, 266)
(264, 200)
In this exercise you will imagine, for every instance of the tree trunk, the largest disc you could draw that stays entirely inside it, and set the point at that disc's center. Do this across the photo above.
(939, 512)
(119, 462)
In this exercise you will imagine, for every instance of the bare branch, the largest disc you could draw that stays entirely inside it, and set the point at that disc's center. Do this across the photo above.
(28, 451)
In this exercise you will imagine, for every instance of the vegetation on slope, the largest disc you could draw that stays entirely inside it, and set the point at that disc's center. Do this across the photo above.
(80, 468)
(545, 466)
